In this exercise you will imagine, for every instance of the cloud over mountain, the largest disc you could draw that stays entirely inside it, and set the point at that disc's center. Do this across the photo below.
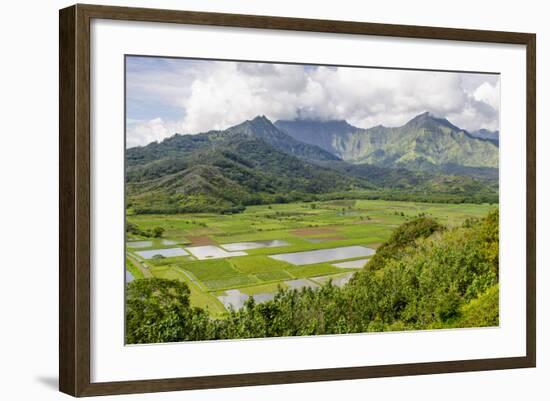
(190, 96)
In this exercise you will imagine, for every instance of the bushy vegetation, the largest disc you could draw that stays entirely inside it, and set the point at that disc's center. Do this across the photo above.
(158, 310)
(404, 236)
(155, 232)
(423, 277)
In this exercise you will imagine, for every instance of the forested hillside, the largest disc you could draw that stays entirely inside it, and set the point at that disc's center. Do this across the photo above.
(256, 163)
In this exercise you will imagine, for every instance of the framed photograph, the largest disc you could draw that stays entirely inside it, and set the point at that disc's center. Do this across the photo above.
(250, 200)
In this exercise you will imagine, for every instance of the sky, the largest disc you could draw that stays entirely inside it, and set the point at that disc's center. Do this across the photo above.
(165, 96)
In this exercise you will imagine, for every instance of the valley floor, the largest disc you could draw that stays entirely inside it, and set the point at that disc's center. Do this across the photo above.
(224, 259)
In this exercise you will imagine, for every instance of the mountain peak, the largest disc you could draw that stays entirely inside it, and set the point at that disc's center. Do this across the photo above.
(263, 129)
(253, 126)
(261, 119)
(422, 117)
(259, 124)
(428, 119)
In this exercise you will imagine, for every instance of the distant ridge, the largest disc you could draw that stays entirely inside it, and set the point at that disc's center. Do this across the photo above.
(425, 143)
(483, 133)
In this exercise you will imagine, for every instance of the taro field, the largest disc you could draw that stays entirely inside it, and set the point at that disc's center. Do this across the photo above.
(225, 259)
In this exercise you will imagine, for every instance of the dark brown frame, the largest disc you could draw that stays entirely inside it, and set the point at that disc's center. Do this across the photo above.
(74, 199)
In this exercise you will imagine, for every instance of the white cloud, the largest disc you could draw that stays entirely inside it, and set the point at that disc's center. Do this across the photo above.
(482, 108)
(143, 132)
(217, 95)
(489, 94)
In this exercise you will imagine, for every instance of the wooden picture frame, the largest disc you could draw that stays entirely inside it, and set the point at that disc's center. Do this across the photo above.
(74, 199)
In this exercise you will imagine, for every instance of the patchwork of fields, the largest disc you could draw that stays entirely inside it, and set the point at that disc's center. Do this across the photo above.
(222, 272)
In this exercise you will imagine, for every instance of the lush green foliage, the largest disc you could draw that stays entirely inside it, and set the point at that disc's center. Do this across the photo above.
(404, 236)
(133, 269)
(439, 278)
(134, 229)
(158, 310)
(482, 311)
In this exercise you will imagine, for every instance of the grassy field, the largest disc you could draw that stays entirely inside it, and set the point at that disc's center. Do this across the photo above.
(304, 226)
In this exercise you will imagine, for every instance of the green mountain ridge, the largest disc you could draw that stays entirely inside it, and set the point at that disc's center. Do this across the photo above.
(223, 170)
(425, 143)
(256, 163)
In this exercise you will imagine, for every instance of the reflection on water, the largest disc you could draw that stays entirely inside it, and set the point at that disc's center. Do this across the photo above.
(301, 283)
(338, 281)
(324, 255)
(129, 276)
(212, 252)
(236, 299)
(167, 253)
(352, 264)
(243, 246)
(139, 244)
